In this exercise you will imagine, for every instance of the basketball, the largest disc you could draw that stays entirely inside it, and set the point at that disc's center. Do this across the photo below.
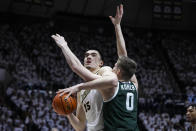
(64, 106)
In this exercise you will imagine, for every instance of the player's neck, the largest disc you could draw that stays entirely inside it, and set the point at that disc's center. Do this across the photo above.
(121, 79)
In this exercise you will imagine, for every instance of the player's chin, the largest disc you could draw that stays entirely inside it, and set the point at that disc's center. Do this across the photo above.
(91, 66)
(188, 119)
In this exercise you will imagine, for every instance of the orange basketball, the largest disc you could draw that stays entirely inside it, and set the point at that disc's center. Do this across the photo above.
(64, 106)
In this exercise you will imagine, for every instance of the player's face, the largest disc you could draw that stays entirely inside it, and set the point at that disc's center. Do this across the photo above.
(92, 59)
(191, 114)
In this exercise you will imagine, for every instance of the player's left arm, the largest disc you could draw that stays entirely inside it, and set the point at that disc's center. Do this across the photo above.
(78, 121)
(134, 80)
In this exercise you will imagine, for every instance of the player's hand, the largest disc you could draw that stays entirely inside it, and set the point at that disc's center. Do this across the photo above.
(70, 90)
(119, 13)
(60, 41)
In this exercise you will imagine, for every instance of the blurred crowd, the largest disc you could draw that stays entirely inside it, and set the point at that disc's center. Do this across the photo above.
(181, 52)
(38, 68)
(38, 109)
(164, 122)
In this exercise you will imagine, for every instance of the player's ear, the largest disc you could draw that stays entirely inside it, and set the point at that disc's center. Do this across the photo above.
(118, 71)
(101, 63)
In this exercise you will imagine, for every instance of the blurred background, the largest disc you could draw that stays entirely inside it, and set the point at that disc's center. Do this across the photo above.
(160, 37)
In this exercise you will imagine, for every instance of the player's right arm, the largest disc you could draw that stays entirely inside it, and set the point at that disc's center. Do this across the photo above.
(73, 61)
(78, 122)
(120, 42)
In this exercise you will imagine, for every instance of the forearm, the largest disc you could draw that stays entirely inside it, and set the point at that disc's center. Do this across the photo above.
(71, 59)
(75, 122)
(101, 83)
(121, 48)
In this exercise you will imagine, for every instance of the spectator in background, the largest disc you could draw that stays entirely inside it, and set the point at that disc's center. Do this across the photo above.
(191, 116)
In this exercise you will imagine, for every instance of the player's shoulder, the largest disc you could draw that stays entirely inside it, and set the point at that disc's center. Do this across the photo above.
(104, 69)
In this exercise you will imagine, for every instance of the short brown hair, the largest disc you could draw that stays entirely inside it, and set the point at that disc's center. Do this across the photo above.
(127, 66)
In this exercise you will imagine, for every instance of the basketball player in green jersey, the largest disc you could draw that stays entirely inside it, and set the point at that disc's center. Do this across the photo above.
(191, 116)
(120, 101)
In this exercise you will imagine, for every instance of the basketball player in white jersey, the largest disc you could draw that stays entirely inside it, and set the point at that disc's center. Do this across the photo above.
(89, 102)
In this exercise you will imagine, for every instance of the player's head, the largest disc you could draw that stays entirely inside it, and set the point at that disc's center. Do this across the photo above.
(191, 113)
(93, 59)
(125, 68)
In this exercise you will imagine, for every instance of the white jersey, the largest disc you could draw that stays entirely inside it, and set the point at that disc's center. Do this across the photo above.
(92, 103)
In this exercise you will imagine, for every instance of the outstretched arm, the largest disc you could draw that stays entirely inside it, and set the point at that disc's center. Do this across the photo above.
(121, 47)
(72, 60)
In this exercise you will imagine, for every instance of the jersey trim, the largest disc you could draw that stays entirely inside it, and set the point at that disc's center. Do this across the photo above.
(97, 72)
(116, 92)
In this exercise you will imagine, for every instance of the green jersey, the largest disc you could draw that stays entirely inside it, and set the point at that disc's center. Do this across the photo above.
(120, 112)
